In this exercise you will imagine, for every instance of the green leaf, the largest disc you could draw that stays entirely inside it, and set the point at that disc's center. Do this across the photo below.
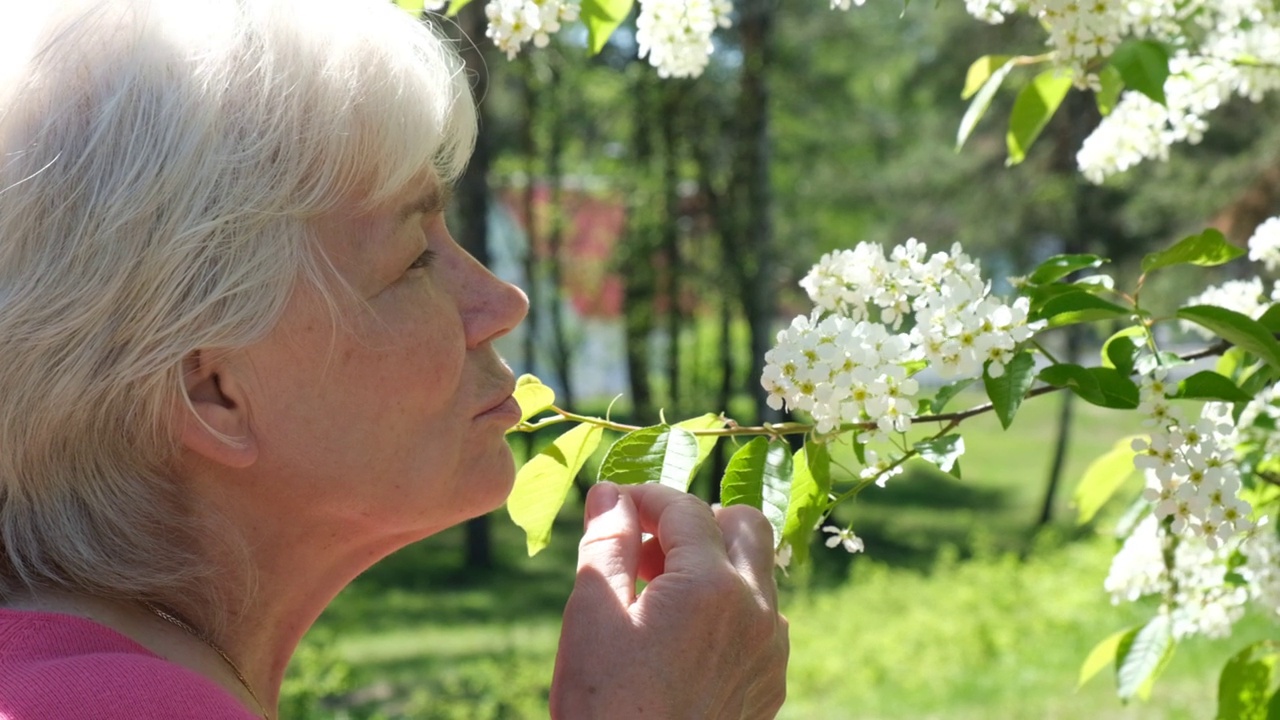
(1147, 363)
(946, 393)
(1007, 391)
(543, 482)
(1120, 351)
(1104, 387)
(1102, 478)
(1232, 363)
(980, 71)
(1035, 104)
(1270, 319)
(414, 7)
(943, 452)
(532, 396)
(759, 475)
(1141, 656)
(1102, 655)
(1237, 329)
(455, 6)
(981, 101)
(1040, 295)
(809, 488)
(1059, 266)
(1207, 249)
(660, 453)
(706, 443)
(602, 17)
(1109, 93)
(1209, 385)
(1077, 307)
(1144, 66)
(1245, 686)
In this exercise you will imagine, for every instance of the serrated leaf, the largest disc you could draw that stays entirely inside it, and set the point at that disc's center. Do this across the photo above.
(1270, 318)
(759, 474)
(1108, 94)
(1007, 391)
(1147, 363)
(1144, 66)
(542, 483)
(943, 452)
(1120, 351)
(1237, 329)
(1102, 478)
(1209, 385)
(1035, 104)
(980, 71)
(1141, 657)
(1039, 295)
(532, 396)
(1232, 362)
(706, 443)
(1102, 655)
(602, 17)
(1059, 266)
(981, 101)
(660, 453)
(1246, 683)
(1104, 387)
(946, 393)
(810, 485)
(413, 7)
(1077, 307)
(1207, 249)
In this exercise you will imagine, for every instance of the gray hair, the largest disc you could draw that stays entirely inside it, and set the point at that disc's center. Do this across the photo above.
(160, 164)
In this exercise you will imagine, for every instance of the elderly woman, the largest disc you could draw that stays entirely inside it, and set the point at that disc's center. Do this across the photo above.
(242, 359)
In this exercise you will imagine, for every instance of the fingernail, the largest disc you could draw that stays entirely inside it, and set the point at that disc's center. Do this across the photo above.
(601, 499)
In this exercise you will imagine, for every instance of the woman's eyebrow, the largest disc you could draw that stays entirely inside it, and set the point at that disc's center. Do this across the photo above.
(433, 201)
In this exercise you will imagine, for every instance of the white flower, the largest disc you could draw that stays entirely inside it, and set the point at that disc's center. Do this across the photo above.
(844, 536)
(1264, 245)
(1247, 297)
(676, 34)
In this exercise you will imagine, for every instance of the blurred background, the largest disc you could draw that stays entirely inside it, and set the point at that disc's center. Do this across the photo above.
(660, 228)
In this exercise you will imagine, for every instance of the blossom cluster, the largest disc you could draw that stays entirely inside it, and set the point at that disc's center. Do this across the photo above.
(676, 34)
(1192, 476)
(512, 23)
(1081, 33)
(848, 361)
(1198, 598)
(1201, 79)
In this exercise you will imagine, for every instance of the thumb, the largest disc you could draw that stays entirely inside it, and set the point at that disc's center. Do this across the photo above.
(610, 546)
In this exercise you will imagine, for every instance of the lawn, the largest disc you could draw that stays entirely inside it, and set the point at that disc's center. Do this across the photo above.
(960, 608)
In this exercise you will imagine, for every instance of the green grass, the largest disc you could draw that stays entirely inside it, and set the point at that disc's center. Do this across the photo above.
(959, 609)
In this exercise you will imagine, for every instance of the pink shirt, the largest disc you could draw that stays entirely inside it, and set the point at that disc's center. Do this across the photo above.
(59, 667)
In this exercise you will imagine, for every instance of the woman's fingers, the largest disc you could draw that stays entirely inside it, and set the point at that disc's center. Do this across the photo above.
(609, 551)
(748, 541)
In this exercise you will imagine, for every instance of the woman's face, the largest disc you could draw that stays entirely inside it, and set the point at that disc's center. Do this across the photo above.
(394, 416)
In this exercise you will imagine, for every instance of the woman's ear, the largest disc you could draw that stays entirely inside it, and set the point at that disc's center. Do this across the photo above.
(219, 429)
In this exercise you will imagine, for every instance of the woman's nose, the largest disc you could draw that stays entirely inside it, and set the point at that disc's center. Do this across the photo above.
(495, 306)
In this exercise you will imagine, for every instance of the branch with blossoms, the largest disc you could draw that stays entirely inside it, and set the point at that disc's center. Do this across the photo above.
(851, 370)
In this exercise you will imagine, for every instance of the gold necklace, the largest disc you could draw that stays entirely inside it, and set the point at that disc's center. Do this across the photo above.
(235, 669)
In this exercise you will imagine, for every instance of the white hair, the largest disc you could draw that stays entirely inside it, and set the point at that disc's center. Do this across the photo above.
(160, 163)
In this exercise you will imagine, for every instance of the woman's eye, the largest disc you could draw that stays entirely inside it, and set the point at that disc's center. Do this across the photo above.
(423, 261)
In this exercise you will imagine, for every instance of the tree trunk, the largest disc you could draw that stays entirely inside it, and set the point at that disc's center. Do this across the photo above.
(671, 239)
(560, 353)
(757, 291)
(636, 262)
(473, 216)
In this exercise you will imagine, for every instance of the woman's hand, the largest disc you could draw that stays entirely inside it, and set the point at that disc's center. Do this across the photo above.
(703, 640)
